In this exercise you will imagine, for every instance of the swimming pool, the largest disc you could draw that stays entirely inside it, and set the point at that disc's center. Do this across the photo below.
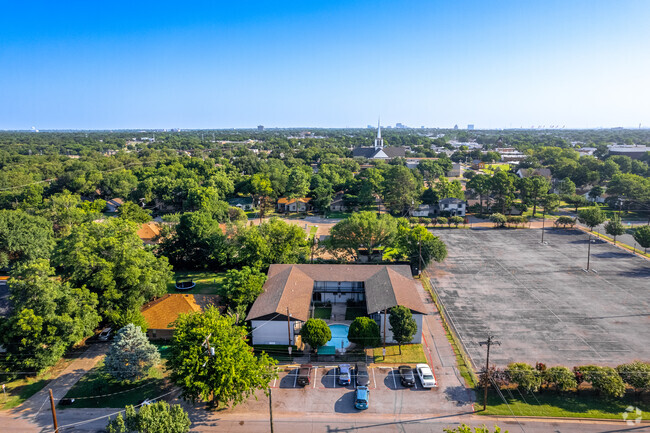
(339, 336)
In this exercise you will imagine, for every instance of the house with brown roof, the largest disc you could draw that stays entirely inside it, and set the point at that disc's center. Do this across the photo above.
(114, 204)
(290, 291)
(162, 312)
(301, 204)
(149, 233)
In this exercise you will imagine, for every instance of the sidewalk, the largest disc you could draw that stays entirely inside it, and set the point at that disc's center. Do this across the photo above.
(60, 386)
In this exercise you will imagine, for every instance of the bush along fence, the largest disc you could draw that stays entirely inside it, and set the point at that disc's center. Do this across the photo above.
(607, 382)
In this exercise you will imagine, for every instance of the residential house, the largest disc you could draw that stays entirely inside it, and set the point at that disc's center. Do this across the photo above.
(290, 291)
(453, 206)
(113, 204)
(529, 172)
(243, 203)
(477, 164)
(162, 312)
(456, 170)
(294, 204)
(338, 204)
(149, 233)
(423, 210)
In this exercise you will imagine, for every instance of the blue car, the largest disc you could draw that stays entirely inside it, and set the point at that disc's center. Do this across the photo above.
(344, 374)
(361, 397)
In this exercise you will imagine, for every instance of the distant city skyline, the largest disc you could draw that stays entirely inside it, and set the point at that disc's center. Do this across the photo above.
(217, 65)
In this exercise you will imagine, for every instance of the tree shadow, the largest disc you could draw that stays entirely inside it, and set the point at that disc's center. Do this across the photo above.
(458, 394)
(329, 380)
(289, 381)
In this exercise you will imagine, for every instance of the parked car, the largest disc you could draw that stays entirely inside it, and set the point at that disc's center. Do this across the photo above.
(362, 374)
(406, 376)
(361, 397)
(426, 376)
(304, 374)
(106, 334)
(344, 374)
(66, 401)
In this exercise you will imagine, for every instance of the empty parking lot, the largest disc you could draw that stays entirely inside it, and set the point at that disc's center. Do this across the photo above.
(538, 301)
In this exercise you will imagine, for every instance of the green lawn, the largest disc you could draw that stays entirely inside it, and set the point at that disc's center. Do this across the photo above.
(19, 390)
(352, 313)
(207, 283)
(322, 313)
(411, 354)
(549, 403)
(98, 389)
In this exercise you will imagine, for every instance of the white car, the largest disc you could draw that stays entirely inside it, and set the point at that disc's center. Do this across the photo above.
(426, 376)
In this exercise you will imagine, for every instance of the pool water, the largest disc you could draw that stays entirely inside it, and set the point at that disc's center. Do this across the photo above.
(339, 336)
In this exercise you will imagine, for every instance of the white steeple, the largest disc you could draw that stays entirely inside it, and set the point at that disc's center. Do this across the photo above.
(379, 142)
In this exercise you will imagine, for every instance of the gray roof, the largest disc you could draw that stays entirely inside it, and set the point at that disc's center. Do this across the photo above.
(240, 200)
(291, 286)
(370, 152)
(451, 200)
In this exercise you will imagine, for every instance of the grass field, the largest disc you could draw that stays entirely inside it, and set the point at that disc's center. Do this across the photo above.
(322, 313)
(411, 354)
(549, 403)
(352, 313)
(207, 283)
(19, 390)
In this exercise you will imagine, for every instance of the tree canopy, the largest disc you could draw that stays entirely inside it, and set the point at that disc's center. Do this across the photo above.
(316, 333)
(402, 325)
(229, 376)
(24, 237)
(365, 332)
(158, 417)
(363, 230)
(131, 355)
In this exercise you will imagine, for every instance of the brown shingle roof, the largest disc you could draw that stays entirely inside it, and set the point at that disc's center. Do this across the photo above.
(291, 286)
(162, 312)
(149, 231)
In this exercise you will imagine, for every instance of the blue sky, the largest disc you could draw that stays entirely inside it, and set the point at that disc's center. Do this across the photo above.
(496, 64)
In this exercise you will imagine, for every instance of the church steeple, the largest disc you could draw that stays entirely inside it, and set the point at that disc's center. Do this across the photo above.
(379, 142)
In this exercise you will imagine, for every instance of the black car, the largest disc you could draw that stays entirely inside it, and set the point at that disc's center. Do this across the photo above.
(304, 375)
(362, 374)
(406, 376)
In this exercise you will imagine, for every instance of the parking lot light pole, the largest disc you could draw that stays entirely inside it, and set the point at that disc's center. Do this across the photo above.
(487, 343)
(588, 251)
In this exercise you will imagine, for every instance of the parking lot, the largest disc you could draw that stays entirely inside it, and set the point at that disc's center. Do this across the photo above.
(538, 300)
(325, 396)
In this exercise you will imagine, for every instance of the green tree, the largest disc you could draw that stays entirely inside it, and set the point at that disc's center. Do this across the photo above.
(502, 189)
(401, 189)
(417, 244)
(67, 210)
(297, 183)
(567, 187)
(442, 220)
(316, 333)
(262, 192)
(614, 227)
(274, 241)
(525, 376)
(636, 374)
(564, 221)
(561, 377)
(197, 243)
(464, 428)
(532, 188)
(363, 230)
(157, 417)
(402, 325)
(118, 183)
(457, 220)
(110, 259)
(480, 185)
(591, 217)
(131, 355)
(365, 332)
(47, 317)
(606, 381)
(596, 192)
(24, 238)
(498, 219)
(132, 212)
(642, 237)
(241, 288)
(228, 376)
(576, 201)
(446, 189)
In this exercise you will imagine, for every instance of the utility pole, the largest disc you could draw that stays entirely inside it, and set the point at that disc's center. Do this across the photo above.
(56, 425)
(420, 254)
(543, 221)
(271, 408)
(487, 343)
(588, 252)
(384, 332)
(289, 327)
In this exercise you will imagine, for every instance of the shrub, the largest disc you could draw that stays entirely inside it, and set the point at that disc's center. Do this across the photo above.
(636, 374)
(561, 377)
(524, 375)
(365, 332)
(498, 219)
(316, 333)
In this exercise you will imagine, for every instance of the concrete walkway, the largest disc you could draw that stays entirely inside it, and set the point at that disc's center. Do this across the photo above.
(441, 355)
(39, 402)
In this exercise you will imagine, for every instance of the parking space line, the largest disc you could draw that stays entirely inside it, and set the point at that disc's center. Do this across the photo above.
(394, 381)
(315, 376)
(295, 379)
(373, 379)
